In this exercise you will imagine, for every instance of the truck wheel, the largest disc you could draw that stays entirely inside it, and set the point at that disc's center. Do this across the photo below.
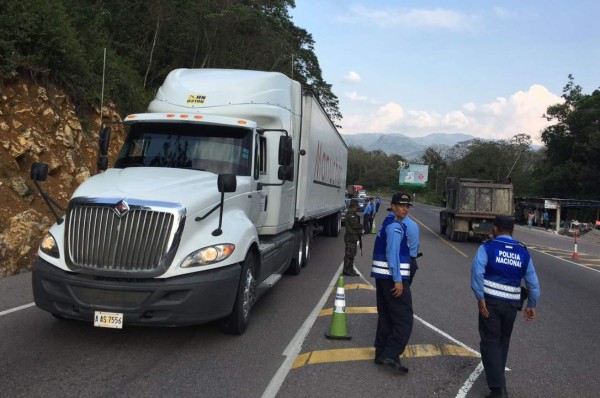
(297, 262)
(239, 318)
(450, 231)
(442, 228)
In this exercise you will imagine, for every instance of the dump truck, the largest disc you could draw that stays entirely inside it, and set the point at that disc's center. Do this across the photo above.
(471, 206)
(217, 192)
(352, 191)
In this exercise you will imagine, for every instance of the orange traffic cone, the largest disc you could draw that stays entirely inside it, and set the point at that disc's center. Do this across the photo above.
(575, 254)
(338, 328)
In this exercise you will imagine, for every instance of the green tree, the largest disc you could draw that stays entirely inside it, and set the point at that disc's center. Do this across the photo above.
(374, 170)
(572, 165)
(63, 41)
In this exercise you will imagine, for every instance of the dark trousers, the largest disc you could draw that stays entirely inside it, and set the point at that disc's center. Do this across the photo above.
(367, 223)
(495, 334)
(349, 253)
(395, 321)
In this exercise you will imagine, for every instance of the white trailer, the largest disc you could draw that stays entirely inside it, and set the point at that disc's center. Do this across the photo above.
(217, 191)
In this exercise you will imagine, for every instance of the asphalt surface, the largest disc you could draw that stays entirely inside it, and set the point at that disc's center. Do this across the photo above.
(285, 353)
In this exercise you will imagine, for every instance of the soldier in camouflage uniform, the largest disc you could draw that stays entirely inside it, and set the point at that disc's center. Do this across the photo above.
(353, 233)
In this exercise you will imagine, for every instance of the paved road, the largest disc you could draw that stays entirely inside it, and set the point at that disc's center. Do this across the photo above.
(285, 353)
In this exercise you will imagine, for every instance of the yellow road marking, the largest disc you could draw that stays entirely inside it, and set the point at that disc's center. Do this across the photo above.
(368, 353)
(351, 310)
(352, 286)
(441, 238)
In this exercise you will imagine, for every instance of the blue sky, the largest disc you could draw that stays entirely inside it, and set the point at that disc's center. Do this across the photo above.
(487, 68)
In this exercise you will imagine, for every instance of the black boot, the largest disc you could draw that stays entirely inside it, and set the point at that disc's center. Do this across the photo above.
(497, 393)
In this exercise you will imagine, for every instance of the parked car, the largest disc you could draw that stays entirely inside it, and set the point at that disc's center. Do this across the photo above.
(361, 203)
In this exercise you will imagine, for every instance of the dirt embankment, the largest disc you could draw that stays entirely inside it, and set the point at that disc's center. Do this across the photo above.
(38, 123)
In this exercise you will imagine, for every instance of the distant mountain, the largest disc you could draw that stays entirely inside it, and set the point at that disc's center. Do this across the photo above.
(443, 139)
(407, 147)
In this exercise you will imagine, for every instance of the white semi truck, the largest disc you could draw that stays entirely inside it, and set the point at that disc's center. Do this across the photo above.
(217, 191)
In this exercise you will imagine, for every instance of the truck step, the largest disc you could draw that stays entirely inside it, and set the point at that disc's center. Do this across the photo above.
(270, 281)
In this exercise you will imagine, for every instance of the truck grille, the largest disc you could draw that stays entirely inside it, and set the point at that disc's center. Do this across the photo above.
(114, 239)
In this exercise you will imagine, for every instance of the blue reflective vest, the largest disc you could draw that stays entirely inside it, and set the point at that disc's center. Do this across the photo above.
(507, 264)
(380, 268)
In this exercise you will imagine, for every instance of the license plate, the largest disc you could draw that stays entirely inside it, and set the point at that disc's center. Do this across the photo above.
(108, 320)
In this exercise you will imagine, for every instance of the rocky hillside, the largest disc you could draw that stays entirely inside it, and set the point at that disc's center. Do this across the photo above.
(38, 123)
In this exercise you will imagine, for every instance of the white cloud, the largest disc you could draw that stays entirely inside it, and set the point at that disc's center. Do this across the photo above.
(413, 18)
(500, 119)
(353, 96)
(381, 121)
(469, 106)
(353, 77)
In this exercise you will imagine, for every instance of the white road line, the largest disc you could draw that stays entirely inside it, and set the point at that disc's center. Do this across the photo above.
(446, 335)
(17, 309)
(294, 347)
(464, 390)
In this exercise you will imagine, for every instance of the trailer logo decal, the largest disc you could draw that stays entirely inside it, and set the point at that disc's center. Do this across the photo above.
(196, 99)
(328, 171)
(121, 208)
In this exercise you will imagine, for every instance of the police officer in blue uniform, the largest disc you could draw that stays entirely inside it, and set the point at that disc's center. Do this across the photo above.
(412, 234)
(391, 270)
(496, 274)
(368, 212)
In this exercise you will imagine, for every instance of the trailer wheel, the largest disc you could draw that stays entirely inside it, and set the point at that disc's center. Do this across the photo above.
(297, 262)
(442, 228)
(307, 245)
(335, 224)
(237, 321)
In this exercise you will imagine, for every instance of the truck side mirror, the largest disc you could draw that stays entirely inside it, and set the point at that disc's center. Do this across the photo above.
(104, 141)
(103, 144)
(285, 173)
(285, 151)
(226, 183)
(39, 172)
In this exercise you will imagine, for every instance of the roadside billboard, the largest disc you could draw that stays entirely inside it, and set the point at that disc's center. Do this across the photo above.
(414, 175)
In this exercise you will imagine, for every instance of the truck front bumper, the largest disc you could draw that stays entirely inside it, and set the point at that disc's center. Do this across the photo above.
(185, 300)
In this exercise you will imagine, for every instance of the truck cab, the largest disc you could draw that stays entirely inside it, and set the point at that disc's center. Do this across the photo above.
(215, 194)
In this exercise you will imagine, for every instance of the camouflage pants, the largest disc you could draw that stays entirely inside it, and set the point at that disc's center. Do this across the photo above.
(349, 254)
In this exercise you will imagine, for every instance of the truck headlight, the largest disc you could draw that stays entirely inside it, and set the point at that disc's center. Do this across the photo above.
(208, 255)
(49, 246)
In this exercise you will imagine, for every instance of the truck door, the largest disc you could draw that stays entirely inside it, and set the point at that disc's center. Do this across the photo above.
(259, 197)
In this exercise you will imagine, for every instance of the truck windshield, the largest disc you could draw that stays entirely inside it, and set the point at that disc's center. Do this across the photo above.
(218, 149)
